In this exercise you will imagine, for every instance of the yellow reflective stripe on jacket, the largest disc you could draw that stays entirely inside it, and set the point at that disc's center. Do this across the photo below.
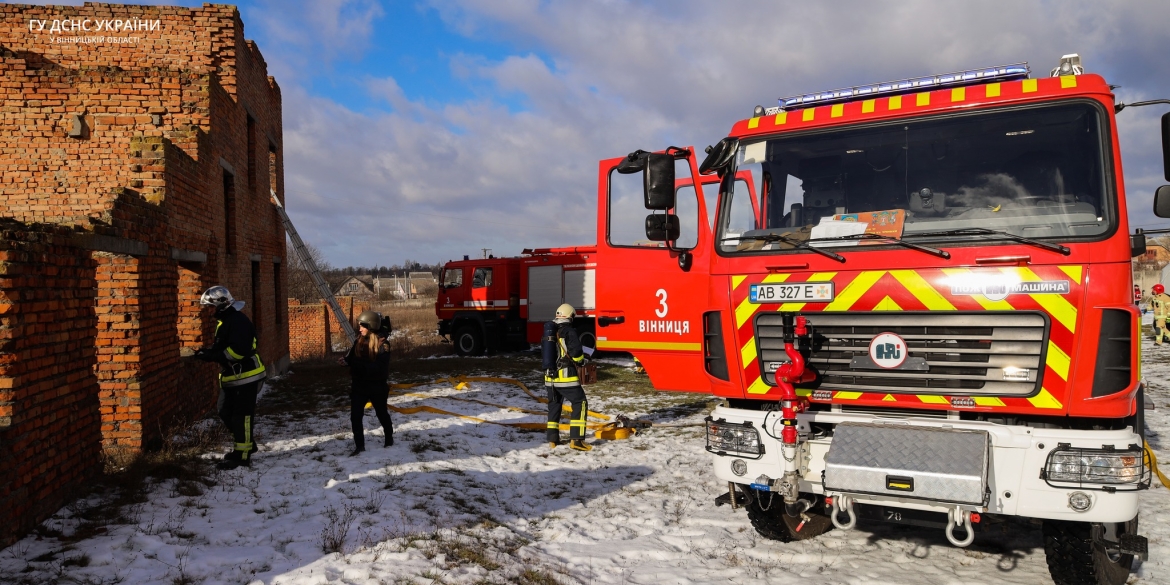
(565, 377)
(233, 355)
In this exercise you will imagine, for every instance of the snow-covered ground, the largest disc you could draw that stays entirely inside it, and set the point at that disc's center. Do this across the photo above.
(454, 501)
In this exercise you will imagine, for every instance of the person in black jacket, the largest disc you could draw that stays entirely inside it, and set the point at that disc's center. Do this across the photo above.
(564, 384)
(369, 365)
(241, 372)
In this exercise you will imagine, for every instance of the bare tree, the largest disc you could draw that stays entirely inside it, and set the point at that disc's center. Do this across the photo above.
(300, 283)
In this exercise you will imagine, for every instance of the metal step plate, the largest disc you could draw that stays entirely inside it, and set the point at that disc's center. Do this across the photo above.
(943, 465)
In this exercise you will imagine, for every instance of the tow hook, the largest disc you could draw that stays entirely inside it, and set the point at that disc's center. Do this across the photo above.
(960, 516)
(839, 504)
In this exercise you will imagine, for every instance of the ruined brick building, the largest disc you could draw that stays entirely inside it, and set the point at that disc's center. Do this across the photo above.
(138, 146)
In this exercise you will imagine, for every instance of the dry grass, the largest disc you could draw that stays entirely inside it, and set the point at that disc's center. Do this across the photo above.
(416, 328)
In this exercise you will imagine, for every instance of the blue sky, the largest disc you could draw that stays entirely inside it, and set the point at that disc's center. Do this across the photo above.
(429, 129)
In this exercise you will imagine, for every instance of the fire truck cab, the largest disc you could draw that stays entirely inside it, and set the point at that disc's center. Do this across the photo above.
(913, 298)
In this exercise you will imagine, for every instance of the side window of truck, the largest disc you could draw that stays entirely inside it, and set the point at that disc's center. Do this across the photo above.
(482, 278)
(453, 278)
(627, 212)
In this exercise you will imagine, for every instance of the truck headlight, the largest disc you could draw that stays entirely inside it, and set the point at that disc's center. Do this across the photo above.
(1067, 465)
(726, 438)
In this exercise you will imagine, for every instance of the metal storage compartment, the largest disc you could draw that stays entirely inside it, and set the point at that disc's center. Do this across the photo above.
(944, 465)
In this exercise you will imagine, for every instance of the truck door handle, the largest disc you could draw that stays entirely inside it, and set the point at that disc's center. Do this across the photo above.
(607, 321)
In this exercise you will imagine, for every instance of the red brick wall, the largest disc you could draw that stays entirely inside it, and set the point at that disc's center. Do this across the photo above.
(314, 333)
(112, 235)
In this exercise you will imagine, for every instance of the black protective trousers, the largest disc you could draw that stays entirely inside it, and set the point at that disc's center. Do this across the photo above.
(376, 393)
(556, 401)
(237, 409)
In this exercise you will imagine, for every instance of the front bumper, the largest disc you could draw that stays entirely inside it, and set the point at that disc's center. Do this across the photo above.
(1015, 458)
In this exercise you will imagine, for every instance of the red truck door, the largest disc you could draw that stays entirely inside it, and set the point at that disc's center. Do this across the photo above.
(651, 297)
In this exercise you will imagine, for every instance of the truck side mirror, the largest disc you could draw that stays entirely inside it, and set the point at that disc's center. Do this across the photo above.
(1162, 201)
(1137, 244)
(658, 185)
(1166, 147)
(719, 156)
(662, 227)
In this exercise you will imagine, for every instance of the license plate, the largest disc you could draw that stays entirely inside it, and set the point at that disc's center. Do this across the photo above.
(799, 292)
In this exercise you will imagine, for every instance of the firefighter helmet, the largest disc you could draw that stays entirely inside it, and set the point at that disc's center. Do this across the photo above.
(566, 311)
(1159, 289)
(371, 319)
(220, 298)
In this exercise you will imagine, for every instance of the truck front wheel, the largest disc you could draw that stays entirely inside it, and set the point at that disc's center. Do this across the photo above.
(766, 512)
(1077, 553)
(468, 340)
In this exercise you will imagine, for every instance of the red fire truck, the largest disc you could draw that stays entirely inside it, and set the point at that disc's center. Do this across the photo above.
(914, 300)
(502, 303)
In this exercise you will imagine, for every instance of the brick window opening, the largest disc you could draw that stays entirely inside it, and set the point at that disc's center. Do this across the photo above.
(256, 297)
(251, 153)
(189, 322)
(229, 212)
(271, 167)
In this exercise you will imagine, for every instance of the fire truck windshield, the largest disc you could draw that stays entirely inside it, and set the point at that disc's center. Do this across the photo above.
(1035, 172)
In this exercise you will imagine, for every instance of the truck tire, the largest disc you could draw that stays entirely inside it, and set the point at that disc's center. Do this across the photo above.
(588, 338)
(468, 341)
(774, 524)
(1076, 556)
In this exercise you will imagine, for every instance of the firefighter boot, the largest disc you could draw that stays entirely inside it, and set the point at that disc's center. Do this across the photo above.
(579, 445)
(553, 444)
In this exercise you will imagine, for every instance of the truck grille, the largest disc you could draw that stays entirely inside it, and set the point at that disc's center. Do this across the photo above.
(984, 353)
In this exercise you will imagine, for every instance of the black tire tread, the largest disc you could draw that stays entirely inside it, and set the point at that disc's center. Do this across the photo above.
(1072, 559)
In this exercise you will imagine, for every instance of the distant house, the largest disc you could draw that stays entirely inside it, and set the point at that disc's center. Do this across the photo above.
(358, 286)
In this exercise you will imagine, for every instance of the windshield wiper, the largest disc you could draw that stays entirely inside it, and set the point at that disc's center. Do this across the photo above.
(986, 232)
(888, 239)
(795, 243)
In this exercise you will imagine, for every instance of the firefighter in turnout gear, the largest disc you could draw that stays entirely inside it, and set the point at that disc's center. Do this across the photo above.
(241, 372)
(563, 384)
(1161, 304)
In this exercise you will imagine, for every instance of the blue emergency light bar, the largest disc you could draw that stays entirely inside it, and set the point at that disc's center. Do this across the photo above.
(914, 84)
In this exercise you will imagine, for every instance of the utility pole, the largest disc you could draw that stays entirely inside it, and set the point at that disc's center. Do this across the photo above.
(486, 252)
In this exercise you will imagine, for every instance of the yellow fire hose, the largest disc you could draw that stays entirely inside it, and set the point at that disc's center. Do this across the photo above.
(601, 430)
(1152, 461)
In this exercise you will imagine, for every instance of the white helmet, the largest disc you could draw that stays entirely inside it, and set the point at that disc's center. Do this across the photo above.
(220, 298)
(566, 311)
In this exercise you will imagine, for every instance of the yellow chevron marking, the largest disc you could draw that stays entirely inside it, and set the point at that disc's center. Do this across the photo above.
(958, 94)
(1056, 305)
(747, 308)
(737, 280)
(1058, 361)
(847, 396)
(922, 290)
(896, 102)
(1044, 399)
(1073, 272)
(867, 106)
(748, 353)
(754, 123)
(986, 303)
(993, 90)
(1029, 85)
(889, 398)
(781, 118)
(887, 304)
(804, 391)
(759, 387)
(988, 401)
(808, 115)
(854, 290)
(1067, 81)
(931, 399)
(837, 110)
(922, 99)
